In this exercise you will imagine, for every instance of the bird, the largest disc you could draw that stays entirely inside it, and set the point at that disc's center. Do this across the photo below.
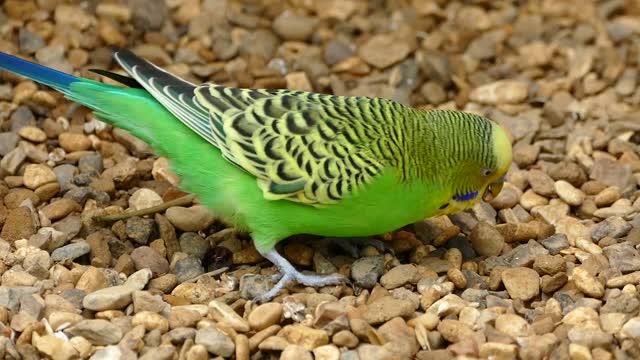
(278, 162)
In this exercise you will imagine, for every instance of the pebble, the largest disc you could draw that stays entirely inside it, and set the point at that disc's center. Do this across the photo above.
(293, 27)
(71, 251)
(383, 51)
(387, 308)
(486, 240)
(144, 198)
(222, 312)
(215, 341)
(60, 209)
(304, 336)
(512, 325)
(195, 218)
(71, 142)
(265, 315)
(18, 224)
(399, 276)
(33, 134)
(521, 283)
(568, 193)
(366, 271)
(98, 332)
(607, 196)
(145, 257)
(501, 92)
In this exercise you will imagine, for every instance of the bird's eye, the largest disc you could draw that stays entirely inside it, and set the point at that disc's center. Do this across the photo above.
(487, 172)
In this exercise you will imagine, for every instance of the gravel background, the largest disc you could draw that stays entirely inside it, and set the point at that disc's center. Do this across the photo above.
(548, 270)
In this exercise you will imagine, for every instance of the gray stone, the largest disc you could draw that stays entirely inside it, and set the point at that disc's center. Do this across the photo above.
(215, 341)
(8, 142)
(615, 227)
(140, 230)
(623, 257)
(522, 255)
(556, 243)
(187, 268)
(253, 285)
(194, 244)
(71, 251)
(366, 271)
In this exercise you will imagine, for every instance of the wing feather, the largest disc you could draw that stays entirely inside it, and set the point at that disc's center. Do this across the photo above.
(305, 147)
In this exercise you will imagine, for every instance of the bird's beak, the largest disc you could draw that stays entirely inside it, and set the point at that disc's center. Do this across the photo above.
(493, 190)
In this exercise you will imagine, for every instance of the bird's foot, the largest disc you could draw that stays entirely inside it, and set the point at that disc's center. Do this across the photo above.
(288, 274)
(352, 246)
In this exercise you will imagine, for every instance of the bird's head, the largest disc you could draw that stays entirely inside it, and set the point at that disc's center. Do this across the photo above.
(480, 163)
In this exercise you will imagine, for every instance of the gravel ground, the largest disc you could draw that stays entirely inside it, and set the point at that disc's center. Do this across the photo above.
(548, 270)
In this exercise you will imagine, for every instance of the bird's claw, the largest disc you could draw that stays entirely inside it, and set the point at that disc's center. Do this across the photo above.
(288, 273)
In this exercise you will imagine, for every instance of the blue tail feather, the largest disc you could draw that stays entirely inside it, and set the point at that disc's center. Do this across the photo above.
(42, 74)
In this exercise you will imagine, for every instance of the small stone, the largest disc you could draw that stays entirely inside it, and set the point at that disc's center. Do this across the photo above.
(556, 243)
(530, 199)
(614, 227)
(521, 283)
(295, 352)
(195, 218)
(111, 298)
(8, 142)
(623, 257)
(612, 173)
(215, 341)
(71, 251)
(18, 224)
(541, 183)
(265, 315)
(501, 92)
(299, 254)
(399, 275)
(548, 264)
(383, 51)
(12, 161)
(144, 198)
(139, 229)
(33, 134)
(326, 352)
(607, 196)
(92, 280)
(293, 27)
(224, 313)
(98, 332)
(145, 257)
(151, 321)
(305, 336)
(455, 331)
(60, 209)
(345, 338)
(187, 268)
(387, 308)
(486, 240)
(183, 318)
(55, 347)
(399, 338)
(568, 193)
(365, 271)
(74, 142)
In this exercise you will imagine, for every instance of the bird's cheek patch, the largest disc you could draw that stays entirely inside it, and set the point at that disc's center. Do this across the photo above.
(465, 196)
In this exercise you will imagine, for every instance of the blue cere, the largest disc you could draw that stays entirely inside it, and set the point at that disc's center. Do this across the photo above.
(466, 196)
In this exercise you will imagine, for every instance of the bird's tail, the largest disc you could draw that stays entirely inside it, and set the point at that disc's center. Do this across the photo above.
(130, 108)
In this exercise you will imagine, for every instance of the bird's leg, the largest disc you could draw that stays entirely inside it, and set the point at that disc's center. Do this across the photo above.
(289, 273)
(352, 245)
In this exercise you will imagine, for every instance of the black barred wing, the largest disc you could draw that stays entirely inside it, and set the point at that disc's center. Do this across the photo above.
(305, 147)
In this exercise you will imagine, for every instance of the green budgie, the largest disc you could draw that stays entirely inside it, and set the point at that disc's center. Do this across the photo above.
(276, 163)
